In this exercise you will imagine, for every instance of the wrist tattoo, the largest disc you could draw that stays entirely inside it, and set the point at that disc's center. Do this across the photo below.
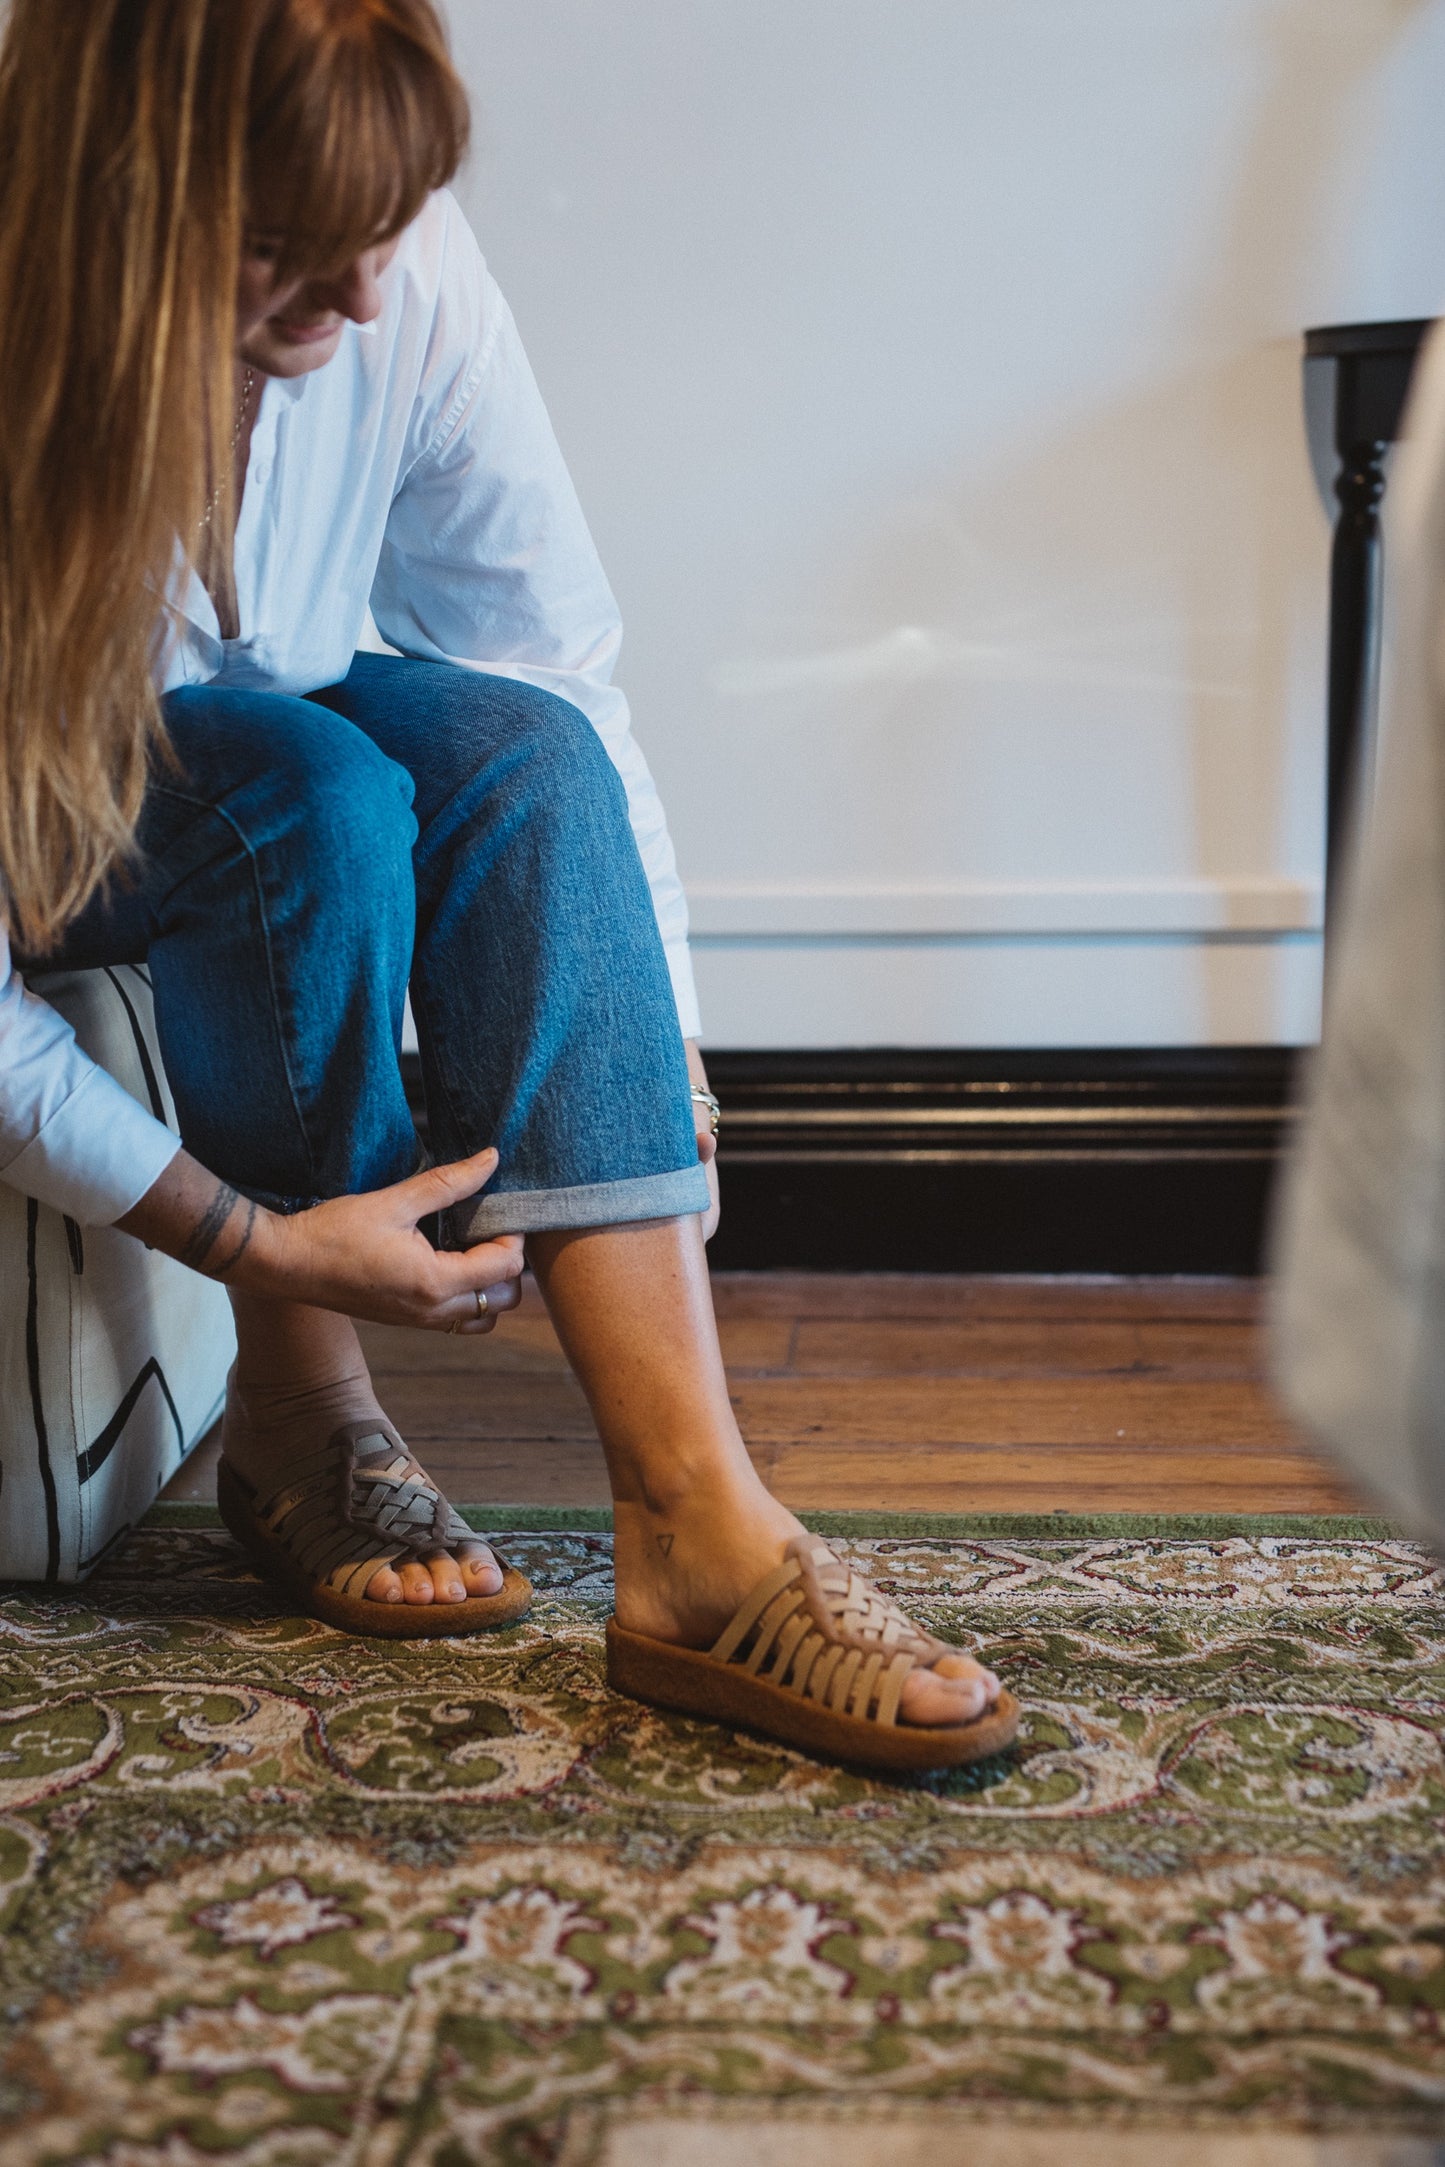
(665, 1543)
(210, 1227)
(228, 1264)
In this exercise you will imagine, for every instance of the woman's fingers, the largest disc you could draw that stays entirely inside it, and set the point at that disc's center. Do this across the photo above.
(494, 1267)
(710, 1216)
(466, 1326)
(437, 1186)
(468, 1273)
(455, 1277)
(461, 1313)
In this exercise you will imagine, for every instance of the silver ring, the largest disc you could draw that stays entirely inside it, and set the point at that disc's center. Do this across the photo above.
(481, 1301)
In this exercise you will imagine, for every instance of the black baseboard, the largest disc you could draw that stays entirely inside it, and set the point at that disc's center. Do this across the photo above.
(1136, 1160)
(895, 1160)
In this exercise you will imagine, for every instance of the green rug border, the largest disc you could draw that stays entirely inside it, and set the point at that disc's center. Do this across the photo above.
(1063, 1526)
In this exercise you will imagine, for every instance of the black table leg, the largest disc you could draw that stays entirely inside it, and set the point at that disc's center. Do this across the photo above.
(1373, 367)
(1355, 577)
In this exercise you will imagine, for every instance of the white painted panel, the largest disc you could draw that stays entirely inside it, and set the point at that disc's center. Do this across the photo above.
(930, 372)
(1271, 905)
(1168, 991)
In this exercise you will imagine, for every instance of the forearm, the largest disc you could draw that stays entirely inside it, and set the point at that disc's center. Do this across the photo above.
(200, 1220)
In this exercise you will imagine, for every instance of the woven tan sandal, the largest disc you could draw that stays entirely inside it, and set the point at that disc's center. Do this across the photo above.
(358, 1503)
(816, 1657)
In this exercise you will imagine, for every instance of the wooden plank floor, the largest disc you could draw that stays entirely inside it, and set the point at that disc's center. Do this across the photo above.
(899, 1392)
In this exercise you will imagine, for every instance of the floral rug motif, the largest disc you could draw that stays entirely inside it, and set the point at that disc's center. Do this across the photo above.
(288, 1899)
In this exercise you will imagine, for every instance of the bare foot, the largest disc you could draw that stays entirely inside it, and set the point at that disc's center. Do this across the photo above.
(269, 1426)
(682, 1572)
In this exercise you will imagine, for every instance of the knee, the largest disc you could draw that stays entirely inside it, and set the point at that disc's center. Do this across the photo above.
(556, 765)
(292, 780)
(340, 809)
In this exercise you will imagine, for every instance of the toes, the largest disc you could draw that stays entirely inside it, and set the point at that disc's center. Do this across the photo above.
(936, 1701)
(442, 1578)
(958, 1665)
(479, 1570)
(955, 1690)
(446, 1578)
(416, 1583)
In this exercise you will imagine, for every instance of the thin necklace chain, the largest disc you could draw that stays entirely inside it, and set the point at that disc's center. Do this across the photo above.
(248, 385)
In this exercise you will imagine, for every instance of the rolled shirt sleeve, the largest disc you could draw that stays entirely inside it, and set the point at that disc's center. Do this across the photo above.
(70, 1135)
(487, 560)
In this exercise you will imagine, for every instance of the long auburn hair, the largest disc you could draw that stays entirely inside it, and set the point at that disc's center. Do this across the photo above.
(139, 141)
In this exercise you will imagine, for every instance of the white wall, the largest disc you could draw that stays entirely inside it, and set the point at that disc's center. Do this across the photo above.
(929, 370)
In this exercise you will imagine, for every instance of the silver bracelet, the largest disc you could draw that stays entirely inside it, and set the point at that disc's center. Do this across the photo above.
(705, 1098)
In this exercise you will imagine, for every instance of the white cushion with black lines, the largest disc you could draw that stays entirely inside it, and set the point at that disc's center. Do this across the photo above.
(113, 1358)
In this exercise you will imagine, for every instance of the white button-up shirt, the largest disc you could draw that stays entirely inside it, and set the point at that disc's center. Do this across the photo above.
(417, 474)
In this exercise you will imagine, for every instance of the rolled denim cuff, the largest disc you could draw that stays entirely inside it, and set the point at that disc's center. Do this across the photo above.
(599, 1203)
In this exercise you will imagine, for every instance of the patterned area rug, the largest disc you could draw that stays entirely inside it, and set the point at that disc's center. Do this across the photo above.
(295, 1899)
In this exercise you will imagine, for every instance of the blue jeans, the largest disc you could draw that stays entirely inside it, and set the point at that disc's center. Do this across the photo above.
(421, 823)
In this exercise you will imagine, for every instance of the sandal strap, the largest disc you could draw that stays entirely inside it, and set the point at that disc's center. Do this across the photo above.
(358, 1504)
(815, 1627)
(861, 1612)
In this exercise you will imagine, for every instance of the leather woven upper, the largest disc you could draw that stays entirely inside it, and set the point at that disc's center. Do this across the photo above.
(358, 1504)
(817, 1628)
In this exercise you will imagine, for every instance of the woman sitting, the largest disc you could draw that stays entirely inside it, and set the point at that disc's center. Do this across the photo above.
(258, 379)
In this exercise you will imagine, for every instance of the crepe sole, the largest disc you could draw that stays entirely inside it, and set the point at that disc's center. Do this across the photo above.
(698, 1685)
(357, 1613)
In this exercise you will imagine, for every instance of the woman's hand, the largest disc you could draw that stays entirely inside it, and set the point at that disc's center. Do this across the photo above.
(366, 1256)
(362, 1255)
(706, 1141)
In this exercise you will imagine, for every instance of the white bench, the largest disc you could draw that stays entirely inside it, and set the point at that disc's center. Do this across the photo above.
(113, 1358)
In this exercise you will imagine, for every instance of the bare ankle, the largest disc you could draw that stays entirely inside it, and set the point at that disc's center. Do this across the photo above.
(269, 1419)
(268, 1398)
(698, 1511)
(291, 1347)
(711, 1475)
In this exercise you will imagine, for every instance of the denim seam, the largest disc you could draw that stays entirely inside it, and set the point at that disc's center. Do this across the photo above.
(437, 1064)
(432, 1068)
(202, 804)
